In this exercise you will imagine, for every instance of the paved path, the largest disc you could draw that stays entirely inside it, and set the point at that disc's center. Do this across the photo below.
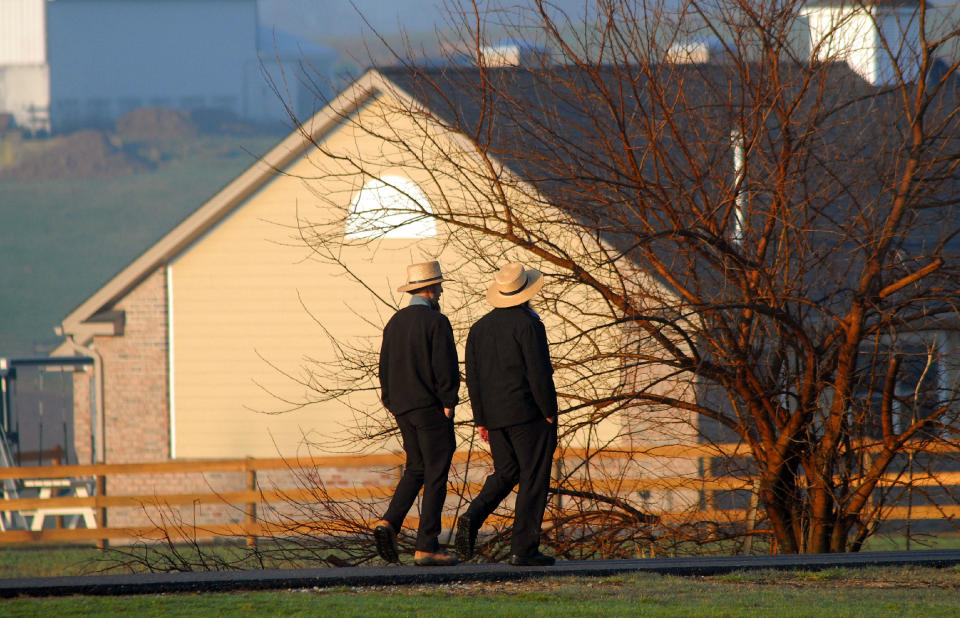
(222, 581)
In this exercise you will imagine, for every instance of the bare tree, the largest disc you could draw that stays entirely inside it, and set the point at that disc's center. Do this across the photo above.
(741, 244)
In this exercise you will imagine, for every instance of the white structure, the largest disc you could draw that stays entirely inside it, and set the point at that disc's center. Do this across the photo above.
(24, 72)
(66, 64)
(876, 38)
(700, 50)
(512, 53)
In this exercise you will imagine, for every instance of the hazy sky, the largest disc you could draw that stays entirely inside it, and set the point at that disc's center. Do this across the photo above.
(341, 18)
(318, 19)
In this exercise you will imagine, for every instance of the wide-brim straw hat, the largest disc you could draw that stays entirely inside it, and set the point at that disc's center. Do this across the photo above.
(514, 285)
(422, 275)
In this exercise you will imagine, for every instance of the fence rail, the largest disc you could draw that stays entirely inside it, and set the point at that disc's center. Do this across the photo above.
(96, 475)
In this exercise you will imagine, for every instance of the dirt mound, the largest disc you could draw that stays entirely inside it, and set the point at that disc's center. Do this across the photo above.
(84, 154)
(147, 123)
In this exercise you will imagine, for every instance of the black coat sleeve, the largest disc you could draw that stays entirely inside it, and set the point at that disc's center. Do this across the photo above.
(382, 373)
(536, 357)
(473, 382)
(446, 365)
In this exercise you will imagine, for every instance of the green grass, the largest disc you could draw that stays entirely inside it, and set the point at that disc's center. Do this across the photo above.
(871, 592)
(51, 561)
(46, 561)
(918, 542)
(60, 240)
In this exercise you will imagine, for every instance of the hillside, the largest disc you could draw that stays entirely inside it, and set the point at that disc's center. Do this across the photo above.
(69, 220)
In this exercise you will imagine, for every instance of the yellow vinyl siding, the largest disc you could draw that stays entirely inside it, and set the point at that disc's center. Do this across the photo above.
(244, 299)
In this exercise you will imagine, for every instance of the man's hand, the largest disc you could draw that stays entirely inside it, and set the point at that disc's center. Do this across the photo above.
(484, 434)
(448, 412)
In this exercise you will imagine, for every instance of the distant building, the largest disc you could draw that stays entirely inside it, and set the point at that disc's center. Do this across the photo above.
(876, 38)
(512, 53)
(697, 51)
(24, 71)
(67, 64)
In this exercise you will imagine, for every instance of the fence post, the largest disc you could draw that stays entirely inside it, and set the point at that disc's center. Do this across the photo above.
(708, 497)
(251, 481)
(55, 453)
(101, 490)
(557, 478)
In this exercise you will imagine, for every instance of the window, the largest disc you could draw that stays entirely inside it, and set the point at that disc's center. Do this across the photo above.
(391, 207)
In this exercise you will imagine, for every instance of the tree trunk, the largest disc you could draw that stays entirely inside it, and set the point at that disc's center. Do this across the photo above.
(821, 517)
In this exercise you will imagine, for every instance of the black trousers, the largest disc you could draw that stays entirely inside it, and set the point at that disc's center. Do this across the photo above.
(428, 442)
(522, 454)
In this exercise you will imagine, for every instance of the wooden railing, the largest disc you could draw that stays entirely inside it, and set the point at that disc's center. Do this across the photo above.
(252, 495)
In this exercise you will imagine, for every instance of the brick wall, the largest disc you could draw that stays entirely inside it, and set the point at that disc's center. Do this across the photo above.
(135, 377)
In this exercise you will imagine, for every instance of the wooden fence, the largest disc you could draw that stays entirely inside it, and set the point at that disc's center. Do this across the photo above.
(94, 477)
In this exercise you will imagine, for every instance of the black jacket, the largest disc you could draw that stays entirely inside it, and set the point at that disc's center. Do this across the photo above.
(509, 375)
(418, 361)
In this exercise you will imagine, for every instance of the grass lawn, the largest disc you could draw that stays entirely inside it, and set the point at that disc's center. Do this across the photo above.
(45, 561)
(841, 592)
(918, 542)
(836, 592)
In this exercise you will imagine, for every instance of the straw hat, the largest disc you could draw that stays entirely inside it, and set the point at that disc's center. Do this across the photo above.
(422, 275)
(514, 285)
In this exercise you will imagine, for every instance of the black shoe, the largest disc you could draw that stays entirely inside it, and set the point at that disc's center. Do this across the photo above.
(386, 540)
(536, 559)
(466, 537)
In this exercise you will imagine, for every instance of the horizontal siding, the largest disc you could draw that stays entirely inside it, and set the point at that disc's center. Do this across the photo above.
(237, 309)
(23, 38)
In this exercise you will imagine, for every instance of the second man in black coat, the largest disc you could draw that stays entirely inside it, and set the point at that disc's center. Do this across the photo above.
(510, 381)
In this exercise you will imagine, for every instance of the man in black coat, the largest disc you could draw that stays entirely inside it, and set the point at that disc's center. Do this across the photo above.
(419, 381)
(510, 380)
